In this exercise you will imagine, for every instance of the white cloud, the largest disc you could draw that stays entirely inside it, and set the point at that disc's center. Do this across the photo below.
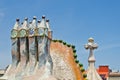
(109, 46)
(1, 14)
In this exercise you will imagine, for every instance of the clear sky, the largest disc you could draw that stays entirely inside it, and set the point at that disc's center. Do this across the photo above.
(73, 21)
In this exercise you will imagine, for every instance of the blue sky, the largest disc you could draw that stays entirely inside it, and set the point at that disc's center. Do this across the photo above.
(73, 21)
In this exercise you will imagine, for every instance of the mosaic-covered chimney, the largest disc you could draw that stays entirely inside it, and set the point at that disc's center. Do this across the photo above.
(15, 44)
(31, 43)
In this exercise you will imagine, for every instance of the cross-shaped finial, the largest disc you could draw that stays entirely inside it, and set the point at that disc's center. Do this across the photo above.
(91, 45)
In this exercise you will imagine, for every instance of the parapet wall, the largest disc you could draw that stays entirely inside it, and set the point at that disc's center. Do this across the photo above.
(65, 63)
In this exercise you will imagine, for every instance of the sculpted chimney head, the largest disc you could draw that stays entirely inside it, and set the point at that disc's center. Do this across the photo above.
(34, 17)
(17, 19)
(47, 24)
(39, 21)
(91, 40)
(16, 25)
(30, 22)
(47, 20)
(43, 17)
(26, 18)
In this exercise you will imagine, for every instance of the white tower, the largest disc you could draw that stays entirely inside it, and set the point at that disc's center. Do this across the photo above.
(91, 72)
